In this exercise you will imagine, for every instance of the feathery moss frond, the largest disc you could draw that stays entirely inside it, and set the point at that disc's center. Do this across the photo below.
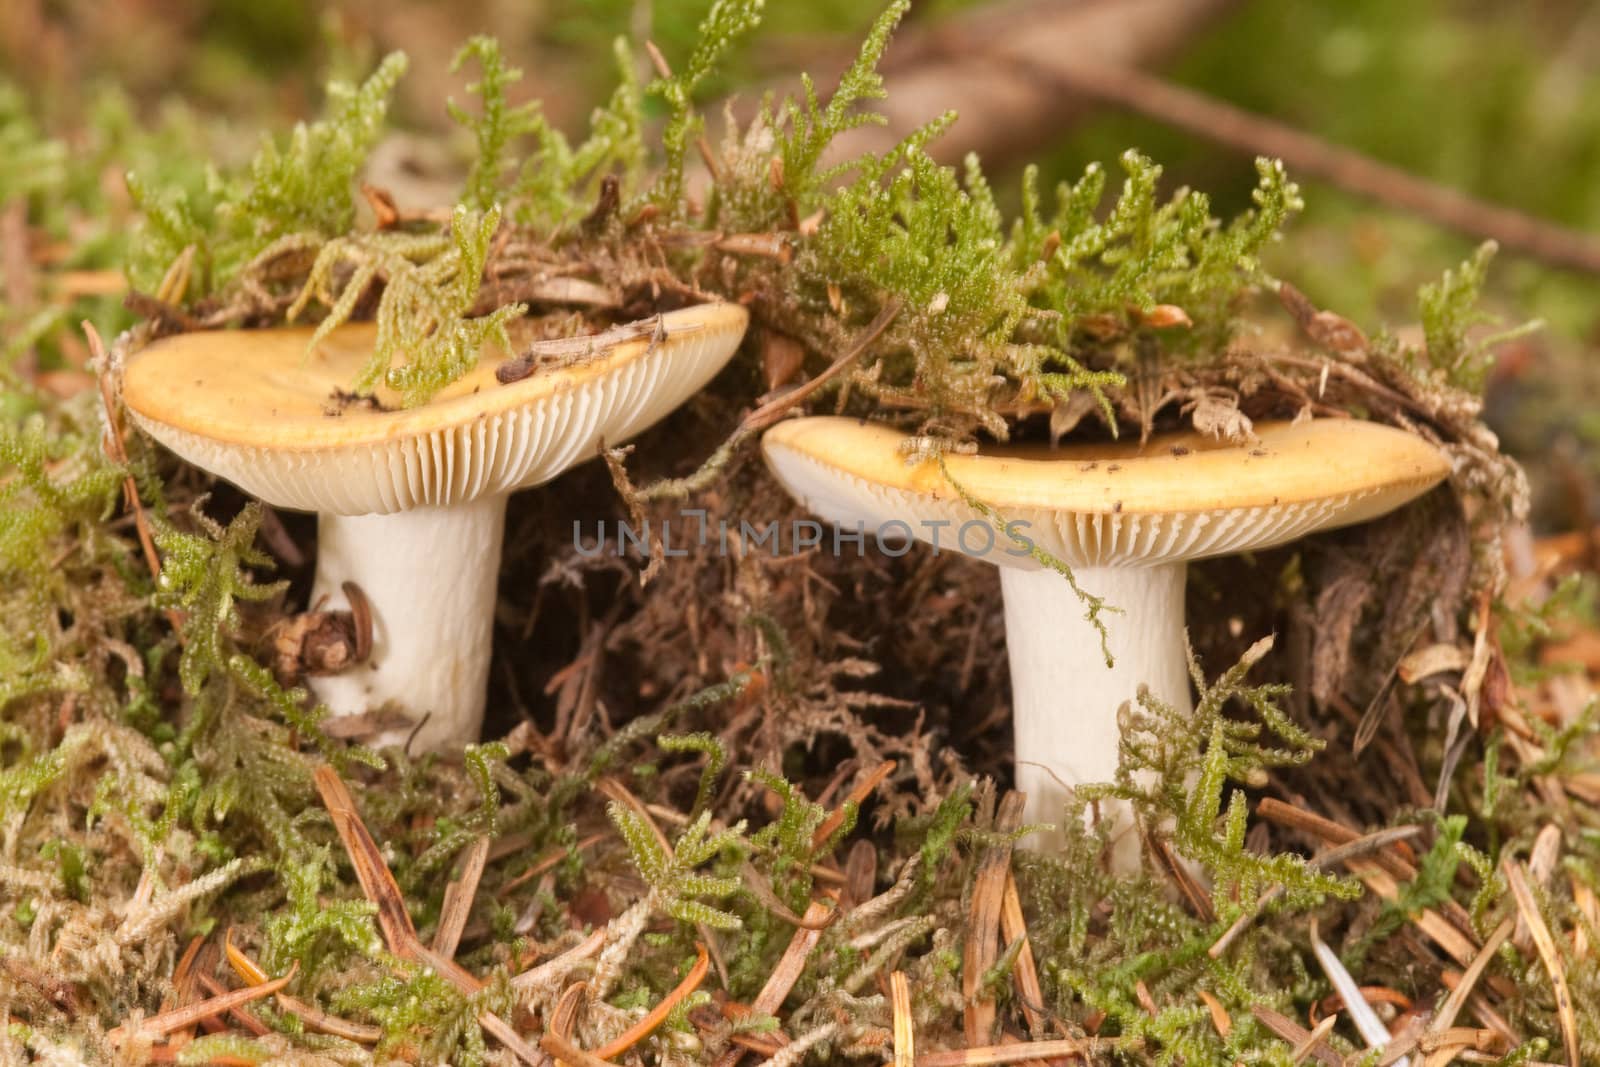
(425, 312)
(725, 23)
(203, 575)
(303, 185)
(716, 759)
(672, 875)
(498, 123)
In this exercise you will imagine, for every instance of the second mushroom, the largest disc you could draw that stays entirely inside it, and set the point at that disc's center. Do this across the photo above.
(1127, 519)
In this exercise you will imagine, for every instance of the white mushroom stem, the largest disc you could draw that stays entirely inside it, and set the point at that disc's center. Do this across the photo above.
(1065, 699)
(429, 575)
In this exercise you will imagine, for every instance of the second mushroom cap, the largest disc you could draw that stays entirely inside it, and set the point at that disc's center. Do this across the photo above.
(1126, 518)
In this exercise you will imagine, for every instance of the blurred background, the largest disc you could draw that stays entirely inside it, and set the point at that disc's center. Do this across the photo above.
(1492, 101)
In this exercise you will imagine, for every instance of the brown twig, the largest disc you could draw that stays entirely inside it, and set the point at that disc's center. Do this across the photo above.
(658, 1015)
(755, 421)
(549, 861)
(857, 795)
(770, 412)
(1188, 887)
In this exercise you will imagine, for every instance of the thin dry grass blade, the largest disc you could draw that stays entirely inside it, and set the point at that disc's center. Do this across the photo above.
(371, 871)
(1313, 1039)
(546, 863)
(1528, 907)
(1026, 972)
(983, 923)
(1191, 890)
(783, 977)
(537, 976)
(1297, 1035)
(458, 897)
(315, 1018)
(905, 1049)
(1021, 1052)
(1445, 1017)
(180, 1018)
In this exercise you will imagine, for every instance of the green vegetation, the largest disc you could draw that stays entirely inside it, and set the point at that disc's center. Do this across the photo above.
(901, 231)
(157, 776)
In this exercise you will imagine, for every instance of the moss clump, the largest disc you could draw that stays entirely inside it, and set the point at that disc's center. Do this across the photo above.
(159, 781)
(989, 317)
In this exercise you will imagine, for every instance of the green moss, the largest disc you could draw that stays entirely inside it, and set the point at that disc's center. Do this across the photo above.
(297, 187)
(185, 760)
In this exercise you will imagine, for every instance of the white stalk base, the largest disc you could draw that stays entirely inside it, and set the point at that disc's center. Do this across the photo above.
(1065, 698)
(429, 575)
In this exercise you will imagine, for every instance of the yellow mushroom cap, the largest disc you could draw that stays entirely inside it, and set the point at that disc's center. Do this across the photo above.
(1178, 497)
(254, 407)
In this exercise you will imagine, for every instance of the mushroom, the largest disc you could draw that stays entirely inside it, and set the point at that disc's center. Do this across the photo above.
(1127, 519)
(411, 502)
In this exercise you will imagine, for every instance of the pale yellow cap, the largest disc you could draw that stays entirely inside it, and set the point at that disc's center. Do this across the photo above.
(254, 407)
(1178, 497)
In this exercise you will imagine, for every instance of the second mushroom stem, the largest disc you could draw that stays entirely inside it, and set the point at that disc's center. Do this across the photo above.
(1065, 699)
(430, 576)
